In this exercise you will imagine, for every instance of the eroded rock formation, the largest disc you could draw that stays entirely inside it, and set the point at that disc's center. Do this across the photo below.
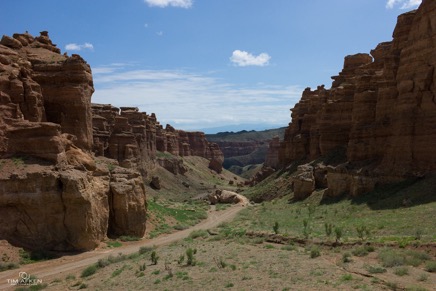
(380, 111)
(54, 194)
(133, 138)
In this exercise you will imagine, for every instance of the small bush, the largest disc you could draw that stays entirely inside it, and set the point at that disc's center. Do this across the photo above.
(154, 257)
(101, 263)
(338, 233)
(199, 234)
(346, 277)
(346, 258)
(89, 271)
(276, 227)
(314, 252)
(401, 271)
(328, 229)
(431, 267)
(362, 251)
(376, 270)
(423, 277)
(190, 257)
(181, 259)
(220, 263)
(396, 258)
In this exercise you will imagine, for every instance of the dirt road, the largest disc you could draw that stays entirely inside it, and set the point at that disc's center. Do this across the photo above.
(61, 267)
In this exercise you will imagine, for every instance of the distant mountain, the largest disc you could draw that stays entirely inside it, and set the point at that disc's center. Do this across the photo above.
(245, 135)
(239, 127)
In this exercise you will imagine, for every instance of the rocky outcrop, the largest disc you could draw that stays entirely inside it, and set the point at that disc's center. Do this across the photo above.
(272, 157)
(133, 138)
(229, 197)
(54, 194)
(380, 109)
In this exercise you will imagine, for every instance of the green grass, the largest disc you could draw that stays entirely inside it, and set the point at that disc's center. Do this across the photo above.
(382, 223)
(186, 215)
(164, 155)
(114, 244)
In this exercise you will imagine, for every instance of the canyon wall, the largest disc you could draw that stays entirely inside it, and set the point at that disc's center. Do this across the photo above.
(54, 194)
(376, 124)
(72, 172)
(133, 138)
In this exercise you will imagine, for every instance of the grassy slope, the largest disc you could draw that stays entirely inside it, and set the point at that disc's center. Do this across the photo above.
(200, 178)
(381, 212)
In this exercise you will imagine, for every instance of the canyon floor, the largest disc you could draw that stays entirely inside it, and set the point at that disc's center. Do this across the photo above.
(242, 248)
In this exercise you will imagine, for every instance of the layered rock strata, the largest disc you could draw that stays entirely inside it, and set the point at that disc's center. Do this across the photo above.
(380, 111)
(54, 194)
(133, 138)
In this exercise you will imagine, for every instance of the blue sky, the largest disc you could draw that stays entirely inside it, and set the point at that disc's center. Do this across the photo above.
(202, 64)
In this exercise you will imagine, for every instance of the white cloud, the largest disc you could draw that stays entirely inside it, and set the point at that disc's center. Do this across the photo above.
(243, 59)
(405, 4)
(194, 101)
(174, 3)
(159, 33)
(79, 47)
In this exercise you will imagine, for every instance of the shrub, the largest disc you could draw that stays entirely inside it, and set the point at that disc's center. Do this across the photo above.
(198, 233)
(276, 227)
(101, 263)
(220, 263)
(181, 259)
(346, 258)
(396, 258)
(418, 234)
(431, 267)
(391, 258)
(346, 277)
(328, 229)
(154, 257)
(362, 230)
(362, 251)
(401, 271)
(314, 252)
(338, 233)
(190, 257)
(91, 270)
(376, 270)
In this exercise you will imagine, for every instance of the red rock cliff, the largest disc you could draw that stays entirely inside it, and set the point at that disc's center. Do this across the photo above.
(133, 138)
(380, 110)
(53, 193)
